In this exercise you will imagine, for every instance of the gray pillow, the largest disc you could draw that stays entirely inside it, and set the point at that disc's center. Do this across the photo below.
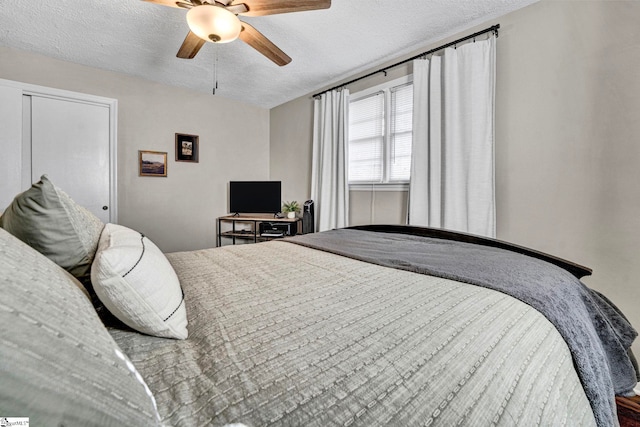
(45, 218)
(59, 365)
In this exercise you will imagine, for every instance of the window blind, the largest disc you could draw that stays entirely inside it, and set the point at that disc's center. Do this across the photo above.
(400, 133)
(366, 138)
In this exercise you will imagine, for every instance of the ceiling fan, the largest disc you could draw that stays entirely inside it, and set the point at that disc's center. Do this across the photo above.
(217, 21)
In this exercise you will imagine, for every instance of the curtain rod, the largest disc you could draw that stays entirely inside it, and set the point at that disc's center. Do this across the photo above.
(493, 29)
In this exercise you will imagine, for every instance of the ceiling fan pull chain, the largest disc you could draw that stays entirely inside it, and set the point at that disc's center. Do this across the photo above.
(215, 68)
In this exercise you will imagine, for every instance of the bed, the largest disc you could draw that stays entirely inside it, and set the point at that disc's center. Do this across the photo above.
(362, 326)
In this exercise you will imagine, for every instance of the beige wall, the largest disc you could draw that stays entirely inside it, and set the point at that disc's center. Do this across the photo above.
(567, 155)
(567, 138)
(177, 212)
(291, 143)
(377, 207)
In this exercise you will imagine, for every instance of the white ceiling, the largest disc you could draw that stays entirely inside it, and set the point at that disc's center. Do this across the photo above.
(327, 46)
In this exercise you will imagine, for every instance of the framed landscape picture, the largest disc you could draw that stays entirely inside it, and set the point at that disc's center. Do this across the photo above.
(186, 148)
(152, 163)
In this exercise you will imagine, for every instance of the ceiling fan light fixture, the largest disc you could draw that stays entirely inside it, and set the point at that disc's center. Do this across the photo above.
(214, 23)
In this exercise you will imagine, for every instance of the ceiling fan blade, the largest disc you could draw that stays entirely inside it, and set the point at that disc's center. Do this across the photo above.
(172, 3)
(259, 42)
(272, 7)
(237, 8)
(190, 46)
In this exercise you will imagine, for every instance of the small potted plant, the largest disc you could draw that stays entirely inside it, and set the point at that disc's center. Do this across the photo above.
(291, 208)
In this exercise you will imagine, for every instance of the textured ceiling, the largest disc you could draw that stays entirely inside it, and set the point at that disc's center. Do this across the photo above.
(327, 46)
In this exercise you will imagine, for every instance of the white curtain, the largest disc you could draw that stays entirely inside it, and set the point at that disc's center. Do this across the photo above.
(329, 182)
(452, 168)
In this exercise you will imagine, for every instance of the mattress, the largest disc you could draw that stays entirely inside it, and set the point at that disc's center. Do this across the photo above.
(281, 334)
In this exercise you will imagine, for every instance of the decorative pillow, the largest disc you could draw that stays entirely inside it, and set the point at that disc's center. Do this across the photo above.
(136, 283)
(58, 364)
(45, 218)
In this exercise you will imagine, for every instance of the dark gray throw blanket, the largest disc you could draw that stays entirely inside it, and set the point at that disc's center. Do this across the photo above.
(597, 333)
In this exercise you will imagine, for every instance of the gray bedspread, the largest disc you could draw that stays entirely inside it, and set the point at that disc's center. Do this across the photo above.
(598, 335)
(285, 335)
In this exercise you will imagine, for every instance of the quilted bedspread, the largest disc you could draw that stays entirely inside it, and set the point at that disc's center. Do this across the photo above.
(281, 334)
(597, 333)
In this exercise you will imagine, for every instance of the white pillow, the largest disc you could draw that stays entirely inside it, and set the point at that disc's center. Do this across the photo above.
(136, 283)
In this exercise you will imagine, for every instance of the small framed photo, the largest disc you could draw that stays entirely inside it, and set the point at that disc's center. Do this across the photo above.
(186, 148)
(152, 163)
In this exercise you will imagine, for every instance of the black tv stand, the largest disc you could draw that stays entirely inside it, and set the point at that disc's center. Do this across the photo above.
(247, 227)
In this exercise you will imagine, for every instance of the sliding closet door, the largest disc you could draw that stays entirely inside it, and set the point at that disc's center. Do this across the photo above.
(70, 143)
(10, 147)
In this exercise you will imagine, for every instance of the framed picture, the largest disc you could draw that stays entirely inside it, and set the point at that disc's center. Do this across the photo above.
(186, 148)
(152, 163)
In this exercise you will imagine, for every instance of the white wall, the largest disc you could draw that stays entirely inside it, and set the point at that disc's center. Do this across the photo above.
(567, 138)
(177, 212)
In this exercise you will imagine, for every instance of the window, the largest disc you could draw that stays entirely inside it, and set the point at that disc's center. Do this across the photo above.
(366, 138)
(380, 130)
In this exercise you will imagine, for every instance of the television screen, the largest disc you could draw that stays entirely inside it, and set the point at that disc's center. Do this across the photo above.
(255, 196)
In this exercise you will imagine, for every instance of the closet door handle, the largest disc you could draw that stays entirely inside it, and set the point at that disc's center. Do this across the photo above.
(104, 208)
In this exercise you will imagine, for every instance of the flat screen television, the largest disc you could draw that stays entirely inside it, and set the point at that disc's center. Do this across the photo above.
(255, 196)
